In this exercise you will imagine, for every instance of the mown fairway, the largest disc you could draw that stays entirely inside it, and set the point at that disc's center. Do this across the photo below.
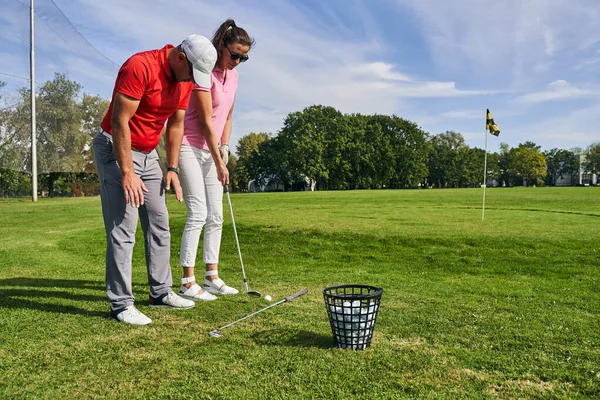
(507, 308)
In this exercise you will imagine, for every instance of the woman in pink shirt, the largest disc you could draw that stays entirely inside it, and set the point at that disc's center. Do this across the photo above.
(203, 159)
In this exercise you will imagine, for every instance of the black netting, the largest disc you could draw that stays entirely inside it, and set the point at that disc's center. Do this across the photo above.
(352, 311)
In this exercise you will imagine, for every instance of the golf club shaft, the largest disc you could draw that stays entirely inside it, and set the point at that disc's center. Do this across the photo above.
(236, 236)
(250, 315)
(289, 298)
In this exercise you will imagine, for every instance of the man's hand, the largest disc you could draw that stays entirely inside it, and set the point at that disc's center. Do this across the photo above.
(134, 189)
(224, 150)
(173, 178)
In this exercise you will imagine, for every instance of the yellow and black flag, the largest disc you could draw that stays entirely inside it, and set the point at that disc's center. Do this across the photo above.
(491, 125)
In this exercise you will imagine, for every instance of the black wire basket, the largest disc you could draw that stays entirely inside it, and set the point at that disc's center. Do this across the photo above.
(352, 311)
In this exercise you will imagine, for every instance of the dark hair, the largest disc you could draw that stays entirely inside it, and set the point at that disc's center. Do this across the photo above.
(230, 33)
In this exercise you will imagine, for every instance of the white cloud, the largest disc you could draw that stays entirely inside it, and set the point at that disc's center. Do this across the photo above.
(566, 130)
(490, 37)
(479, 139)
(557, 90)
(378, 69)
(543, 67)
(462, 114)
(14, 64)
(84, 70)
(587, 63)
(309, 53)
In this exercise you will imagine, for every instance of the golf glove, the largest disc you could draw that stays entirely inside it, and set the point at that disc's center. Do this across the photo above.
(224, 150)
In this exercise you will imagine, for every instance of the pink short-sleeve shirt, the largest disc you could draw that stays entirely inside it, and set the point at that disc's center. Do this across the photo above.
(223, 95)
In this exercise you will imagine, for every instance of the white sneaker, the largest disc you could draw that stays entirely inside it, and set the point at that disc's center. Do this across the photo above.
(218, 287)
(193, 293)
(130, 315)
(170, 300)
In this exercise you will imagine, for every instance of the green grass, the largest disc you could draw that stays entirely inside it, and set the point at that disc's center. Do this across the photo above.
(506, 308)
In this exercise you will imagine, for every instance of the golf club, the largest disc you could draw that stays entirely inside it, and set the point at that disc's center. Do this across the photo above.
(251, 293)
(218, 334)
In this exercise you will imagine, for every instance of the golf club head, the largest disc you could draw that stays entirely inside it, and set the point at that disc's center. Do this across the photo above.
(215, 333)
(253, 293)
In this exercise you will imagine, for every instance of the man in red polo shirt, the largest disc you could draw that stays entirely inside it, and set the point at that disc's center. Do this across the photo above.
(152, 87)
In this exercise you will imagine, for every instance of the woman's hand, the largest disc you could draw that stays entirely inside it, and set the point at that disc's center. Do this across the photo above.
(222, 173)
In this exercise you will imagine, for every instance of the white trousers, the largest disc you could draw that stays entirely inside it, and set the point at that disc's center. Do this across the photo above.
(203, 195)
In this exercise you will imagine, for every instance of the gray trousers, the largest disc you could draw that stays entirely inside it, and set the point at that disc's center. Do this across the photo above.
(120, 222)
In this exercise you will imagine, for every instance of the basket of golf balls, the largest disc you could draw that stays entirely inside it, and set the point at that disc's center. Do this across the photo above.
(352, 311)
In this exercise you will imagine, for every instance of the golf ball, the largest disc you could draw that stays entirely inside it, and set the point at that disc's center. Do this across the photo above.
(268, 298)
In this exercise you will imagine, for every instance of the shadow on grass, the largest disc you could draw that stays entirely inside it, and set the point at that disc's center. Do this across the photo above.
(53, 283)
(20, 303)
(586, 214)
(285, 337)
(17, 293)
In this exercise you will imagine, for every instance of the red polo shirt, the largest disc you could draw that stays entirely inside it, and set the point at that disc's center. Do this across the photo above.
(146, 76)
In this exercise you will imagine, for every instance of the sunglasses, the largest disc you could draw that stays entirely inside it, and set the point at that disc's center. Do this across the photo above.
(236, 56)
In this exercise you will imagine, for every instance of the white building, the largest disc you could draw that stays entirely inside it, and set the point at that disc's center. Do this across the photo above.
(580, 177)
(275, 184)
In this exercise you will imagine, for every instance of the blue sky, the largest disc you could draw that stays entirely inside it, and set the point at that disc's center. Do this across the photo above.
(440, 63)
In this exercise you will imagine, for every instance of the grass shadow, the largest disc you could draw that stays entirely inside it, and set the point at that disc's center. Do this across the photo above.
(53, 283)
(15, 296)
(585, 214)
(44, 294)
(19, 303)
(286, 337)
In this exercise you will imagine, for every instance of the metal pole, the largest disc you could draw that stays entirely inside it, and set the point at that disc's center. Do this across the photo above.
(484, 176)
(33, 126)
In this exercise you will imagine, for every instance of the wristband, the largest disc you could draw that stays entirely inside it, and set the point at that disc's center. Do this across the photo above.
(173, 169)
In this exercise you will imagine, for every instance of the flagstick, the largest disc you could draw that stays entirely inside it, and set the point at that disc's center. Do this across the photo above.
(484, 176)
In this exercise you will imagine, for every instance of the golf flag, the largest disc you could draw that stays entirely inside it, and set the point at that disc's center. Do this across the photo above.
(491, 125)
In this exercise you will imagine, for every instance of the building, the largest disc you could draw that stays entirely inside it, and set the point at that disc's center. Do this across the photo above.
(581, 177)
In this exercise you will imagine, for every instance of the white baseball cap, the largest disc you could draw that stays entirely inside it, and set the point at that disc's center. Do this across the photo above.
(203, 56)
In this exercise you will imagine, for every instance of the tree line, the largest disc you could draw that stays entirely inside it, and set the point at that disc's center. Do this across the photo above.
(66, 121)
(352, 151)
(318, 146)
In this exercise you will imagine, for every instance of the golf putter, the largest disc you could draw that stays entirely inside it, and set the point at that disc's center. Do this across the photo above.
(216, 333)
(251, 293)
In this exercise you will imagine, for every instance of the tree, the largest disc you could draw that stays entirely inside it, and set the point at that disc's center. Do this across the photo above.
(379, 133)
(233, 168)
(530, 164)
(304, 139)
(337, 151)
(445, 169)
(507, 174)
(559, 163)
(13, 179)
(93, 109)
(411, 149)
(247, 150)
(271, 161)
(60, 141)
(15, 140)
(592, 158)
(66, 123)
(530, 145)
(339, 144)
(472, 160)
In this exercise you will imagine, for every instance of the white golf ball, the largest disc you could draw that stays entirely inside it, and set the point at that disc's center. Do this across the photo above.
(268, 298)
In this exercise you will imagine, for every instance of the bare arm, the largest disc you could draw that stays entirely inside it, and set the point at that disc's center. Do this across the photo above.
(227, 129)
(124, 107)
(203, 101)
(174, 136)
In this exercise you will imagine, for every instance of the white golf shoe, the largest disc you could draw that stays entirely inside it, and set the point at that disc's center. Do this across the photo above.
(194, 292)
(218, 287)
(130, 315)
(171, 300)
